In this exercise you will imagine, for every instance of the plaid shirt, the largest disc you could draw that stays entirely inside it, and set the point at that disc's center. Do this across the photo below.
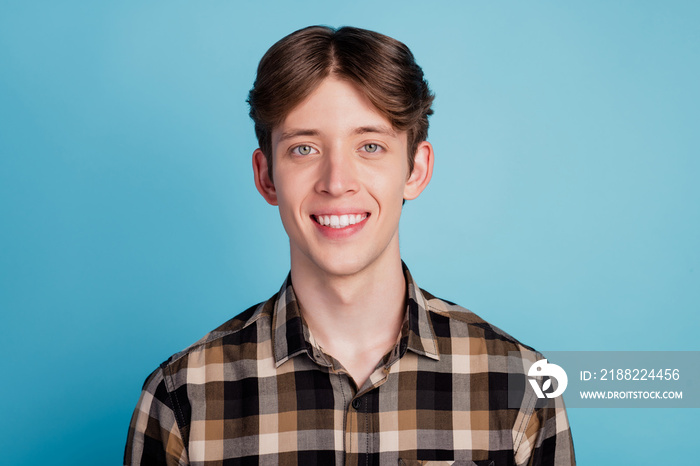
(257, 390)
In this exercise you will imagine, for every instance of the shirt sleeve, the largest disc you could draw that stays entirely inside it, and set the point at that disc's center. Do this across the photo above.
(546, 439)
(154, 436)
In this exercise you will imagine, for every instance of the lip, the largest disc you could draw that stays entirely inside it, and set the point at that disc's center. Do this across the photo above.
(340, 211)
(340, 233)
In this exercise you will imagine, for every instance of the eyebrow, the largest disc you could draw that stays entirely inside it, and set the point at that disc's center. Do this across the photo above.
(298, 132)
(381, 129)
(376, 129)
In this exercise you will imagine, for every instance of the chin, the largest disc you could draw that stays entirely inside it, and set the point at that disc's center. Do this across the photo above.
(343, 270)
(343, 267)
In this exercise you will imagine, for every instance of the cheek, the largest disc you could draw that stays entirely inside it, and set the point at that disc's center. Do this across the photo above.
(394, 182)
(389, 198)
(386, 176)
(290, 197)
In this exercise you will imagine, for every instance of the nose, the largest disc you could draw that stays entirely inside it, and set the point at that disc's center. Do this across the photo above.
(338, 174)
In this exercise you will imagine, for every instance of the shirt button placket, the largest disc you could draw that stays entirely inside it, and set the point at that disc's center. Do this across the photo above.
(356, 403)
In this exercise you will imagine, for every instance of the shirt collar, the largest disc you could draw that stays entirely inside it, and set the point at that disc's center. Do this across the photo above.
(420, 335)
(291, 336)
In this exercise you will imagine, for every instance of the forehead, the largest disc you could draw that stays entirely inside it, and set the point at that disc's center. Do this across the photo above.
(335, 106)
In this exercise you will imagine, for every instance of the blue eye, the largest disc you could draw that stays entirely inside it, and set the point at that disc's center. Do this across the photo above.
(303, 150)
(371, 147)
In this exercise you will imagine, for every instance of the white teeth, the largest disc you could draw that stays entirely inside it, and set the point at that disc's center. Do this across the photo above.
(340, 221)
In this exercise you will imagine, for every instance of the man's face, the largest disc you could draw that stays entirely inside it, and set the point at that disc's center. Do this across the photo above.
(340, 176)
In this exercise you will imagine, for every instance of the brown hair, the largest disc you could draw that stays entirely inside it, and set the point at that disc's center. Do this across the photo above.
(382, 67)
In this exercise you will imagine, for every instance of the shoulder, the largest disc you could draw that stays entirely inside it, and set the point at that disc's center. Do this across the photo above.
(234, 333)
(457, 323)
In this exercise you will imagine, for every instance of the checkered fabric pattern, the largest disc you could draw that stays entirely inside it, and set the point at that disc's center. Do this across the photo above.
(257, 390)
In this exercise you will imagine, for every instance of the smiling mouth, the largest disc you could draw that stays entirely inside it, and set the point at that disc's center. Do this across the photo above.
(339, 221)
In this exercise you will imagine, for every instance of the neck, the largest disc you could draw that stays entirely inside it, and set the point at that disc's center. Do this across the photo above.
(355, 317)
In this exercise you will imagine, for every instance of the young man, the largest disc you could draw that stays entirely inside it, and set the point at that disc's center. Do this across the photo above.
(350, 363)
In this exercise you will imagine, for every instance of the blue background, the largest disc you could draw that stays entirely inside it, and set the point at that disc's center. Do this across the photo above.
(563, 207)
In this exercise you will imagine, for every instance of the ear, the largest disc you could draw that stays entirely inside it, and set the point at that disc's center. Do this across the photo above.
(265, 186)
(422, 171)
